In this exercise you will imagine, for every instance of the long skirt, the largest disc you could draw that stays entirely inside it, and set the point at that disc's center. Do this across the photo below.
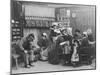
(53, 56)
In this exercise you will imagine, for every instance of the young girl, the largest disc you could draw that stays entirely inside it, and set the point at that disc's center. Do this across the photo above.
(75, 55)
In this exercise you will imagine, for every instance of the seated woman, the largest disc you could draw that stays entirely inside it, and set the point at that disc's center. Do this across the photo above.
(85, 50)
(84, 41)
(43, 43)
(91, 42)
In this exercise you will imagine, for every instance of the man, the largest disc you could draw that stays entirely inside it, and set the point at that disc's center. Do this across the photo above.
(26, 49)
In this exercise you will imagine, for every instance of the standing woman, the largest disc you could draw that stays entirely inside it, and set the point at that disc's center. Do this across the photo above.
(64, 47)
(53, 57)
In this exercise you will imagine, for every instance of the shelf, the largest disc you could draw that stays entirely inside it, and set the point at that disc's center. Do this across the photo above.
(16, 31)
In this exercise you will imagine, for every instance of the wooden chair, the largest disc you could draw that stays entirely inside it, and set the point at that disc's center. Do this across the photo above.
(85, 54)
(14, 55)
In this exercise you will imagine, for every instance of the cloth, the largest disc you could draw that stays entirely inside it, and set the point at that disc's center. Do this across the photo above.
(75, 56)
(43, 43)
(44, 54)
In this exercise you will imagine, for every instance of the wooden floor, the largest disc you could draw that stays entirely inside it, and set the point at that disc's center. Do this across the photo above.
(41, 66)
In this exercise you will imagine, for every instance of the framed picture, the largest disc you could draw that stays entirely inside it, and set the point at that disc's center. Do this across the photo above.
(56, 37)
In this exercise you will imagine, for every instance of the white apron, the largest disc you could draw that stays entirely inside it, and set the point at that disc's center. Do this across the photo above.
(75, 56)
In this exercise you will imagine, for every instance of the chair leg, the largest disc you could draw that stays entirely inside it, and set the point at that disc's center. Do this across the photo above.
(16, 61)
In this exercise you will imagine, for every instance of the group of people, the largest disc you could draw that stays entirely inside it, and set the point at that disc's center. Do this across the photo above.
(61, 47)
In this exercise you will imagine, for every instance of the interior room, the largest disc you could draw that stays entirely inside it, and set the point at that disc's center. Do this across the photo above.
(37, 18)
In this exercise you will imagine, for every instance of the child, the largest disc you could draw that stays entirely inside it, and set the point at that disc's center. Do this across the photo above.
(75, 55)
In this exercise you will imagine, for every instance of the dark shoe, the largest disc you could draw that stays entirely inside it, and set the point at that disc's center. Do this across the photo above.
(64, 64)
(75, 65)
(67, 64)
(35, 61)
(27, 66)
(89, 63)
(31, 64)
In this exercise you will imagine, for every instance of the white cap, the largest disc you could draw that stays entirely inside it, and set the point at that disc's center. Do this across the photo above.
(85, 33)
(54, 24)
(57, 31)
(44, 34)
(89, 31)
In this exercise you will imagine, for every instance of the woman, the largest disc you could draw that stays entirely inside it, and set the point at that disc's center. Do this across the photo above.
(85, 50)
(64, 47)
(43, 43)
(53, 56)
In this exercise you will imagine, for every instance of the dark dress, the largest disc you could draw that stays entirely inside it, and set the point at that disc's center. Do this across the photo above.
(90, 38)
(93, 49)
(85, 51)
(53, 57)
(55, 51)
(67, 57)
(53, 34)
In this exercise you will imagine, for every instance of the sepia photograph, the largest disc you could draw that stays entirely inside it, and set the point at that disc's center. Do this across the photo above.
(52, 37)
